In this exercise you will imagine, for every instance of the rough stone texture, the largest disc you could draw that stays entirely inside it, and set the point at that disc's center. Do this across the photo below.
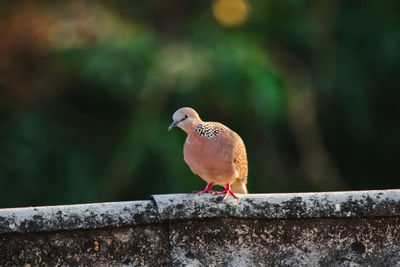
(82, 216)
(298, 242)
(302, 229)
(139, 245)
(280, 206)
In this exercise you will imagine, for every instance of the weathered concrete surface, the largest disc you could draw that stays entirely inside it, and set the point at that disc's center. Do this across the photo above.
(280, 206)
(82, 216)
(298, 242)
(303, 229)
(139, 245)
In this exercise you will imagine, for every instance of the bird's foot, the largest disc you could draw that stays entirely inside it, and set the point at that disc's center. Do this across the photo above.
(227, 192)
(207, 190)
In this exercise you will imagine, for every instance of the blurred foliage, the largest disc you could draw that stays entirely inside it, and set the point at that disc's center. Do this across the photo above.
(88, 88)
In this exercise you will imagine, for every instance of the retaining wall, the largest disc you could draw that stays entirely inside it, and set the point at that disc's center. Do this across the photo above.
(313, 229)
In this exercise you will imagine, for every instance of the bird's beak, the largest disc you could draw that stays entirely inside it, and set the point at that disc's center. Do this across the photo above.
(173, 124)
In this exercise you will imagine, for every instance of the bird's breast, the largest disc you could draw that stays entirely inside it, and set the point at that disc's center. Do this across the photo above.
(208, 158)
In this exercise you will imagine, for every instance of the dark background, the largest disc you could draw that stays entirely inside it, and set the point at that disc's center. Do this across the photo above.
(88, 88)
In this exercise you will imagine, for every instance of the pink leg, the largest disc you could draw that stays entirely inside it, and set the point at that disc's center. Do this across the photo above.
(227, 192)
(207, 189)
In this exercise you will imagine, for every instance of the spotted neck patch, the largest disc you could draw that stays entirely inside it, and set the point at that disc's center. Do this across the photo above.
(208, 129)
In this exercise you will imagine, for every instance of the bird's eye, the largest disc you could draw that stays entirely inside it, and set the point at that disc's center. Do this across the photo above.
(184, 117)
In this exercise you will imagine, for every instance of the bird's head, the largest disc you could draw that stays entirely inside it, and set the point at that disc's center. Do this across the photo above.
(185, 118)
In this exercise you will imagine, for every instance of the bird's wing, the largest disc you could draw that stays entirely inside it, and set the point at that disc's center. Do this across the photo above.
(240, 159)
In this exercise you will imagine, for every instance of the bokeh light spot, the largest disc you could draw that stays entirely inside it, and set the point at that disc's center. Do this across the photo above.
(230, 13)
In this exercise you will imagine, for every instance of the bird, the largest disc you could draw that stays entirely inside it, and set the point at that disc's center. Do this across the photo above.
(213, 152)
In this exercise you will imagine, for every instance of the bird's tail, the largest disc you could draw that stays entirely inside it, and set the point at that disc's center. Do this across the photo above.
(238, 187)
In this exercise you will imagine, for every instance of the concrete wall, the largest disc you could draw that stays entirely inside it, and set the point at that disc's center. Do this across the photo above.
(313, 229)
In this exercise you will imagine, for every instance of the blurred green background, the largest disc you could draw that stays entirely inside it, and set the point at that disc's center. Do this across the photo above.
(88, 88)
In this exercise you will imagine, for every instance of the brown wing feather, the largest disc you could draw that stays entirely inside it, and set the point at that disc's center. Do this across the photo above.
(240, 159)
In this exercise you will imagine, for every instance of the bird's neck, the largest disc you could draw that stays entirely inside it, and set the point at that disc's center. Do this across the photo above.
(193, 137)
(190, 127)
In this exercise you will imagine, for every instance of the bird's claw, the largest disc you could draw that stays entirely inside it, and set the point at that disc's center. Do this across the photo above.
(207, 190)
(227, 192)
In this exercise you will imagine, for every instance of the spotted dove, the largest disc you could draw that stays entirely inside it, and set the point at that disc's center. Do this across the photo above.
(214, 152)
